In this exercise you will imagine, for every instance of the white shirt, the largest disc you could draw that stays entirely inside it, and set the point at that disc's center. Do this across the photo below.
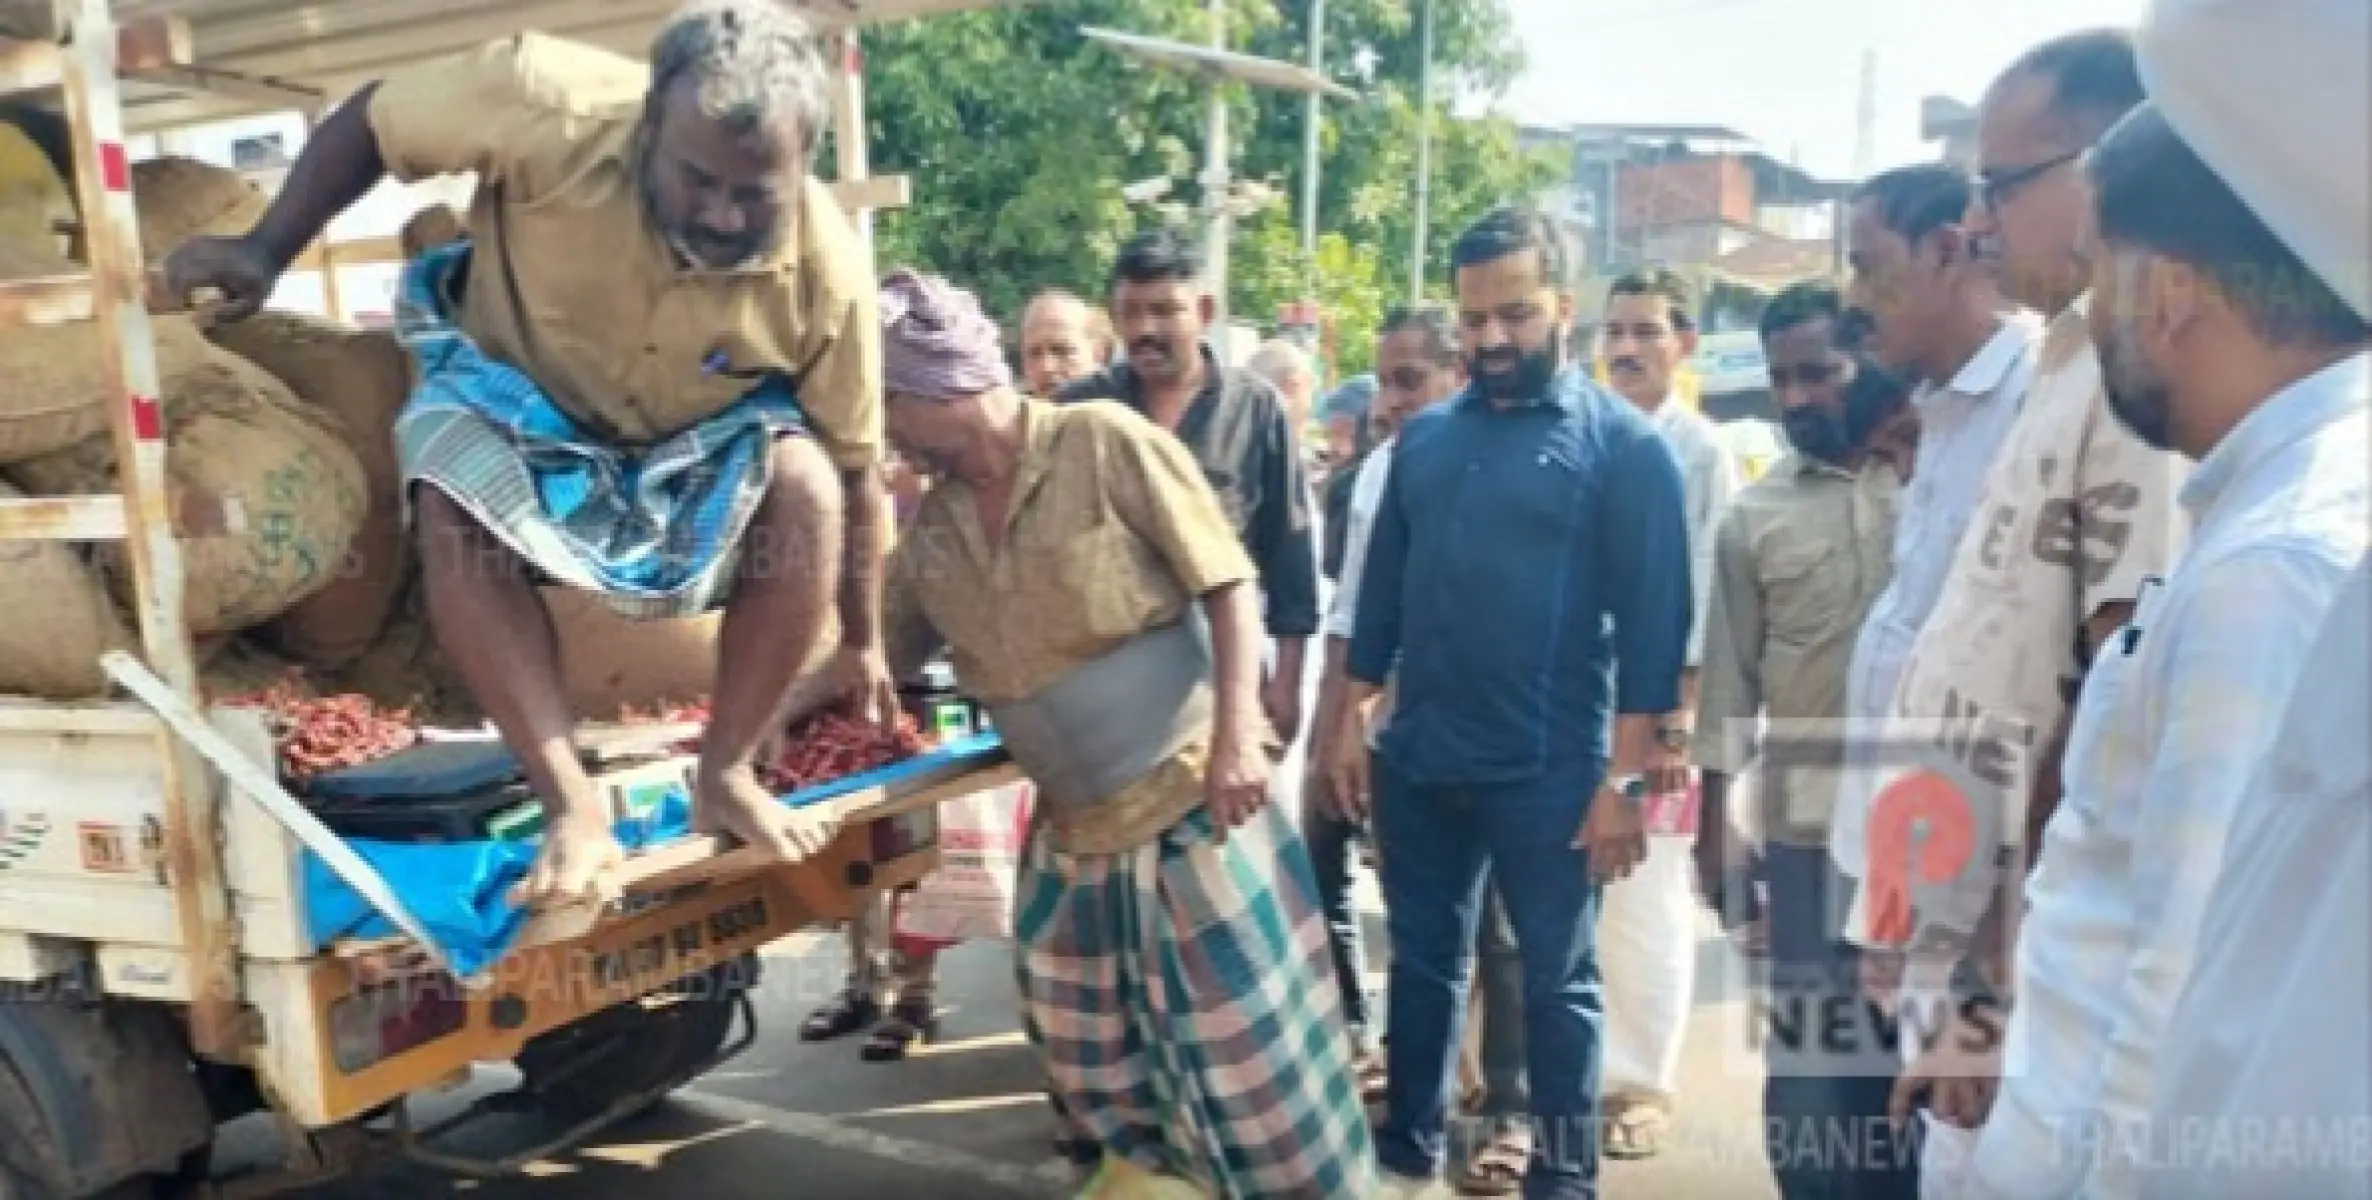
(1367, 495)
(2267, 1077)
(1709, 481)
(2075, 513)
(1961, 429)
(2177, 712)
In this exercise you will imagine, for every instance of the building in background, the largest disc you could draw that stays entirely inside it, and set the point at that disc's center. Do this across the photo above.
(1704, 200)
(1953, 127)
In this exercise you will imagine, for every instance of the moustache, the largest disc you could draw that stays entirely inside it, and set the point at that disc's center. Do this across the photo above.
(1624, 363)
(1498, 358)
(1149, 346)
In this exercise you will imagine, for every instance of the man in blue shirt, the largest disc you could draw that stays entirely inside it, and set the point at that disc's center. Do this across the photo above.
(1538, 589)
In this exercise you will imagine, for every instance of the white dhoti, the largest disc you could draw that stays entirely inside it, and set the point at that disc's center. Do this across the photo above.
(1647, 954)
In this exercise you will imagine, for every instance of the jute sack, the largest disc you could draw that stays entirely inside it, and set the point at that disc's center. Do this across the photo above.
(60, 621)
(289, 473)
(359, 377)
(609, 662)
(55, 389)
(181, 198)
(34, 199)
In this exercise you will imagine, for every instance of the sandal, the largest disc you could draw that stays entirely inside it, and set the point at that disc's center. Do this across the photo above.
(1371, 1076)
(911, 1020)
(840, 1016)
(1636, 1131)
(1497, 1169)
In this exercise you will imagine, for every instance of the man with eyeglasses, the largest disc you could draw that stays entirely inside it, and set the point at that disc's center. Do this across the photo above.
(2076, 512)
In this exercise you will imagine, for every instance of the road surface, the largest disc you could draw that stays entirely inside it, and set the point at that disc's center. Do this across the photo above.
(964, 1120)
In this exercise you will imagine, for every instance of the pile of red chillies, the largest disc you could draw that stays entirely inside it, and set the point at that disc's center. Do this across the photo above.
(831, 745)
(319, 734)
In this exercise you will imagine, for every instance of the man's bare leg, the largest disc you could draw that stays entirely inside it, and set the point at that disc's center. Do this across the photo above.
(789, 574)
(497, 634)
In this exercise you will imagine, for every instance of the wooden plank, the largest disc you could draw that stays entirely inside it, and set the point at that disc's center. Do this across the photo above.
(100, 518)
(47, 300)
(873, 192)
(144, 47)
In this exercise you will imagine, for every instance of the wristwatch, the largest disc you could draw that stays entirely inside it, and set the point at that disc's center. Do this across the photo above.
(1632, 788)
(1673, 738)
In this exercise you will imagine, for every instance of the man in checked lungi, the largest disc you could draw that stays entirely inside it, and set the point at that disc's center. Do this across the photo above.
(651, 372)
(1173, 967)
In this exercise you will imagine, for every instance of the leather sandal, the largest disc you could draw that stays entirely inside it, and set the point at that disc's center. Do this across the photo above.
(840, 1016)
(911, 1020)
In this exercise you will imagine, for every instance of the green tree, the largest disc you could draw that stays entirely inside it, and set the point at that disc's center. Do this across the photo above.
(1019, 134)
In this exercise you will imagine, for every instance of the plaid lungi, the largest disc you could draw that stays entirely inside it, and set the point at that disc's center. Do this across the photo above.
(1185, 1001)
(654, 530)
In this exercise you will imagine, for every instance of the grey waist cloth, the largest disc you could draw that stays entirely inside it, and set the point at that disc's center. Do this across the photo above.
(1113, 718)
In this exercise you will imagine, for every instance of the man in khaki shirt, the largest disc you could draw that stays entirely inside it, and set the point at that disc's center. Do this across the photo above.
(1057, 537)
(1800, 557)
(655, 291)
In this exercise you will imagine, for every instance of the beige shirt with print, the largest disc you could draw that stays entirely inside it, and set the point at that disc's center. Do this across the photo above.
(2076, 512)
(571, 283)
(1799, 559)
(1111, 532)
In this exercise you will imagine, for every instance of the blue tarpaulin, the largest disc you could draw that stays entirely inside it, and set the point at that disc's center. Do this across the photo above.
(459, 890)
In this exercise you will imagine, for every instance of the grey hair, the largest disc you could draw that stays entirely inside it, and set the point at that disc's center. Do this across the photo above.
(754, 64)
(1278, 361)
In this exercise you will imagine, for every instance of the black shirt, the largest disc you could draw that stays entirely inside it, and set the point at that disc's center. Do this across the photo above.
(1237, 430)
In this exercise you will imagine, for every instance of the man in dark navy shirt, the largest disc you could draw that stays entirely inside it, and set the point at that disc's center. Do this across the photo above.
(1533, 612)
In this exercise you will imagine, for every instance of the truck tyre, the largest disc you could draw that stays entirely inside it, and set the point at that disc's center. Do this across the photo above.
(654, 1045)
(97, 1102)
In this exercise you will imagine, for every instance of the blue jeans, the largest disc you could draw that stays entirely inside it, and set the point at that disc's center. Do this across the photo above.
(1330, 845)
(1436, 845)
(1827, 1135)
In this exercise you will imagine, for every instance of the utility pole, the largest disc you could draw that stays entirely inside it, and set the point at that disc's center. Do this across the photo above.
(1214, 194)
(1309, 146)
(1416, 257)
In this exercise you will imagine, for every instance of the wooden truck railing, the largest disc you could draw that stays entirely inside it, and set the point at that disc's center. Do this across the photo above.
(83, 59)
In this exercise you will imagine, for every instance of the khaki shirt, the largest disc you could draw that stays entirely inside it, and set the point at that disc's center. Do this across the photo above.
(1799, 559)
(1111, 531)
(571, 283)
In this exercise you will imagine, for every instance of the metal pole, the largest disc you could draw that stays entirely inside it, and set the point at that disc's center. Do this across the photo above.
(1214, 193)
(1416, 257)
(1309, 146)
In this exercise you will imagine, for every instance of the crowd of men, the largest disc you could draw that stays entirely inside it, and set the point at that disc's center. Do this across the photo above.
(2021, 710)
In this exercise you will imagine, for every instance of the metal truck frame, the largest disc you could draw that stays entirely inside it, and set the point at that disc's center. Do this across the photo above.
(156, 971)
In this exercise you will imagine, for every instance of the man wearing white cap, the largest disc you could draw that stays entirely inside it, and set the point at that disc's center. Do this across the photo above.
(2216, 340)
(2265, 1091)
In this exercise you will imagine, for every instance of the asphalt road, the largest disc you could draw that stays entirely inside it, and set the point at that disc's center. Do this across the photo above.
(963, 1119)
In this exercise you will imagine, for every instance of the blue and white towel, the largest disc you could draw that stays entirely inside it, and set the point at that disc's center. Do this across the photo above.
(654, 530)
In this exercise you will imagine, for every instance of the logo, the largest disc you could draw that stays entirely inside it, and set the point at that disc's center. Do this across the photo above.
(1939, 849)
(105, 849)
(20, 836)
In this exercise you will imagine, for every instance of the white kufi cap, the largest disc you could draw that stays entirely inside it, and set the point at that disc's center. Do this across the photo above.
(2275, 96)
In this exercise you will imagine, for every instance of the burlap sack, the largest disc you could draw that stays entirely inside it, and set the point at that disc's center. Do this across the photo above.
(55, 388)
(34, 198)
(608, 662)
(288, 471)
(361, 378)
(60, 621)
(181, 198)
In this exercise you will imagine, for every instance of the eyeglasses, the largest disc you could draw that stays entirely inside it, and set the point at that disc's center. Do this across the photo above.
(1998, 187)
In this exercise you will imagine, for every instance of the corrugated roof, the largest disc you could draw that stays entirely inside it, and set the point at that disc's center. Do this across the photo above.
(270, 54)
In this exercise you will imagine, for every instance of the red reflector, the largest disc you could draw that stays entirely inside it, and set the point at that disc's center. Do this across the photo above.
(148, 419)
(376, 1024)
(115, 169)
